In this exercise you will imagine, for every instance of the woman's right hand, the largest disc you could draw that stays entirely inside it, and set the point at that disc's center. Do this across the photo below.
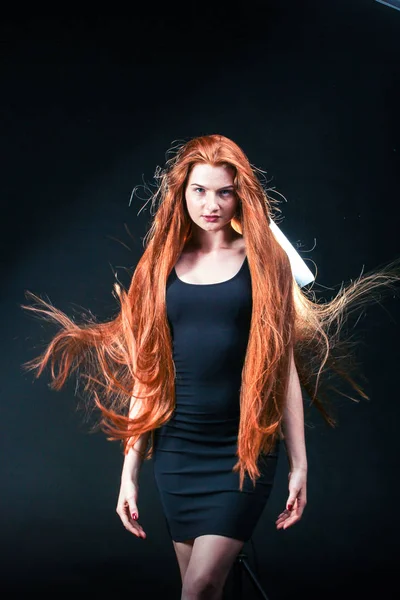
(127, 508)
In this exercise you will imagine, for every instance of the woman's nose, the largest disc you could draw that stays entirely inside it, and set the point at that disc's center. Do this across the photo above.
(211, 201)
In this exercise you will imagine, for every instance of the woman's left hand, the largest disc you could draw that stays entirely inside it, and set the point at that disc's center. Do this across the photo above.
(297, 499)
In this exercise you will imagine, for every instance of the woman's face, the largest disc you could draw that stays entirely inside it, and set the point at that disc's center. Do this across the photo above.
(210, 192)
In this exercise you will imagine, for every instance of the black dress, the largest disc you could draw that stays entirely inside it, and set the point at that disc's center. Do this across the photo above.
(195, 451)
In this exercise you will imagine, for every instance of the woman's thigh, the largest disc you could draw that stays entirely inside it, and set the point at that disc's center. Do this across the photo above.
(183, 551)
(211, 560)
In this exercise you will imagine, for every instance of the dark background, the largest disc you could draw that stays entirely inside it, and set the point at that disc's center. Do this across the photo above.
(90, 105)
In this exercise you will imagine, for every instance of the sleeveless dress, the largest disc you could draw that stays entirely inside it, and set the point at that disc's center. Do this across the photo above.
(195, 451)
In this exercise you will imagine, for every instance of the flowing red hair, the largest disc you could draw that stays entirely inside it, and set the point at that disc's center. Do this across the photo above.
(129, 359)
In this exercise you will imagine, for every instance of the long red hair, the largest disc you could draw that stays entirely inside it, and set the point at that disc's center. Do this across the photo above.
(129, 358)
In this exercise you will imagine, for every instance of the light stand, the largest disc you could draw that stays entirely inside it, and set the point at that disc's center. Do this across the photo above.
(241, 567)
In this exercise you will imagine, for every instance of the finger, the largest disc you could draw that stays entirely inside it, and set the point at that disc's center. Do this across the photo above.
(291, 501)
(129, 523)
(136, 530)
(282, 517)
(133, 527)
(289, 519)
(131, 508)
(286, 523)
(282, 520)
(284, 514)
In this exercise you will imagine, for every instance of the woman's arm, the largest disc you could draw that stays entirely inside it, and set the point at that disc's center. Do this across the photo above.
(134, 457)
(127, 505)
(293, 421)
(294, 438)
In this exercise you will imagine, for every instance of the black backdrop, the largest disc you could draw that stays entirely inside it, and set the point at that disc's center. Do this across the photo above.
(90, 106)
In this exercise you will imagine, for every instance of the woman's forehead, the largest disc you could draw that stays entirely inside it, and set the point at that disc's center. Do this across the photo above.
(213, 175)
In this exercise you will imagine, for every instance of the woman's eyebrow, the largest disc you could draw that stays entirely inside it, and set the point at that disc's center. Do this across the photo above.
(205, 188)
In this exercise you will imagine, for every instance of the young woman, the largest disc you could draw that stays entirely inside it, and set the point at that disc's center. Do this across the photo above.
(203, 367)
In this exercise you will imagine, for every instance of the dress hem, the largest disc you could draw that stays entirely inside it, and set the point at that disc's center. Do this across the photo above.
(209, 532)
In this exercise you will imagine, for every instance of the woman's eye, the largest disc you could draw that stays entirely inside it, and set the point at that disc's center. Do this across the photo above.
(226, 193)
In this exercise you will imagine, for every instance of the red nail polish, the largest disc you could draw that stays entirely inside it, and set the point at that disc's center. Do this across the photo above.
(290, 506)
(134, 516)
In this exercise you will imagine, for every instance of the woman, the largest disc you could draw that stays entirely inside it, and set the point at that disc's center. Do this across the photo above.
(203, 366)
